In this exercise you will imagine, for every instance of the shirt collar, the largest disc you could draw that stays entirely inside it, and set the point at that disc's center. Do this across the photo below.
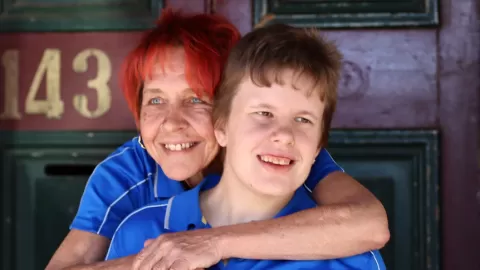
(300, 200)
(183, 211)
(165, 187)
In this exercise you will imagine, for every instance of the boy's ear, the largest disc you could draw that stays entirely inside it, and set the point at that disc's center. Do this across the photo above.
(220, 134)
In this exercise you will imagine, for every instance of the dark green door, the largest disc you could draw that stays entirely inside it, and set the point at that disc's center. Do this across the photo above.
(44, 175)
(400, 168)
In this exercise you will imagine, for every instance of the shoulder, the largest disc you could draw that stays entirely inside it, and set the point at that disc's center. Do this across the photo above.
(323, 166)
(131, 156)
(151, 213)
(128, 161)
(147, 219)
(142, 224)
(302, 199)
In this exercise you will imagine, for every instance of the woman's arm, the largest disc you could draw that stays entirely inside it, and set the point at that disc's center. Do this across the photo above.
(85, 251)
(349, 220)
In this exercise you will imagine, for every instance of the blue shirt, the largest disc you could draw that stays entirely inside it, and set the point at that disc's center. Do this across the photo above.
(129, 179)
(182, 212)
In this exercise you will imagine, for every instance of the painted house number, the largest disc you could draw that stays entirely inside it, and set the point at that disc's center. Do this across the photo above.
(52, 106)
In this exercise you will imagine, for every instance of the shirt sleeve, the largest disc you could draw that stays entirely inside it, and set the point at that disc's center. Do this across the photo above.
(106, 200)
(323, 166)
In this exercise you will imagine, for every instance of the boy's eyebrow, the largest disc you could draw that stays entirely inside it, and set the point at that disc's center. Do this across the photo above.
(262, 106)
(267, 106)
(304, 112)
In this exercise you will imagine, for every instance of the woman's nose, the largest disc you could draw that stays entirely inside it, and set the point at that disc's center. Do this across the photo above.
(174, 121)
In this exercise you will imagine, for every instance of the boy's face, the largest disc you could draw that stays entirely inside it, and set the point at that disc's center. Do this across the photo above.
(272, 135)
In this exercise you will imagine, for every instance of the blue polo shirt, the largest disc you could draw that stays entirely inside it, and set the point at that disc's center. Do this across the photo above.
(182, 212)
(129, 179)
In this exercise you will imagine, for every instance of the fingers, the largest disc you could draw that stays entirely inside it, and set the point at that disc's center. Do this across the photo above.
(161, 265)
(148, 257)
(148, 242)
(179, 265)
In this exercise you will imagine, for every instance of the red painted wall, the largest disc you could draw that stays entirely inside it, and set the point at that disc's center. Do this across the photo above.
(31, 48)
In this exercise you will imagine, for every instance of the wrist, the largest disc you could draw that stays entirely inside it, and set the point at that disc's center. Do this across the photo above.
(222, 244)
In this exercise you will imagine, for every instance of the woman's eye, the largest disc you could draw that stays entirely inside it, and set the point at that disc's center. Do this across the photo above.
(303, 120)
(263, 113)
(155, 101)
(196, 100)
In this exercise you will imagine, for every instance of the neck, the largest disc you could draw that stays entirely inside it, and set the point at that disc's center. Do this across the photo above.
(194, 180)
(232, 202)
(215, 167)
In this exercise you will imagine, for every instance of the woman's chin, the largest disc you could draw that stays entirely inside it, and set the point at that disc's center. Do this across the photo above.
(181, 174)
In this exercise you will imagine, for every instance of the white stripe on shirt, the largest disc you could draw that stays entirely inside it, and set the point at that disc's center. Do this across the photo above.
(128, 217)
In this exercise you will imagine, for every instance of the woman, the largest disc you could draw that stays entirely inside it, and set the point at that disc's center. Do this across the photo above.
(272, 131)
(169, 81)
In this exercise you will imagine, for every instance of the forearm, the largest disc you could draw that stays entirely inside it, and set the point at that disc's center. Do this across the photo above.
(324, 232)
(117, 264)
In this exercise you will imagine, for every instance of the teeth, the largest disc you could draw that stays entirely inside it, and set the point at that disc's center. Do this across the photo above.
(276, 160)
(178, 146)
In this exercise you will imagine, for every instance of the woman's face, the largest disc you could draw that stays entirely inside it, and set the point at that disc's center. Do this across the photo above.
(175, 124)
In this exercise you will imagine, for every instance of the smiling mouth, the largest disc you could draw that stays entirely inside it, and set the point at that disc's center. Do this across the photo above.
(179, 146)
(281, 161)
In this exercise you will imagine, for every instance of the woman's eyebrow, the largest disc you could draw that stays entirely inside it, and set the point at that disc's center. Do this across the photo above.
(152, 90)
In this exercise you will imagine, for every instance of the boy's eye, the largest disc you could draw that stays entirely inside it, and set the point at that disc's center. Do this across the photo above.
(303, 120)
(263, 113)
(155, 101)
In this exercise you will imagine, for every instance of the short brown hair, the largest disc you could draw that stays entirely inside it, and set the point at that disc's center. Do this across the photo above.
(265, 53)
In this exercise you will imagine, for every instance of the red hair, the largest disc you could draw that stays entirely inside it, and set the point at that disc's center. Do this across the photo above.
(206, 40)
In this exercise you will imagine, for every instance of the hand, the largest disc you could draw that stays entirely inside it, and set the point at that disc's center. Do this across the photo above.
(179, 251)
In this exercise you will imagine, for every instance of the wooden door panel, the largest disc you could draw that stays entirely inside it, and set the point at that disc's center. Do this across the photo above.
(401, 169)
(348, 14)
(73, 15)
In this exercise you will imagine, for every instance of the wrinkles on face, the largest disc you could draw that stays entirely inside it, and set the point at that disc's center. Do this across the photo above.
(175, 123)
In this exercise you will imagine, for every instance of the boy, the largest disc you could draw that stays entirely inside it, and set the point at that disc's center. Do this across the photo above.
(272, 113)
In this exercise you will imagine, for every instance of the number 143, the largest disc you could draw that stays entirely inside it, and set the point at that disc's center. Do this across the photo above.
(49, 68)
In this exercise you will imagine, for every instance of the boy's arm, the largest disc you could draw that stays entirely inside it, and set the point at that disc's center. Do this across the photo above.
(349, 220)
